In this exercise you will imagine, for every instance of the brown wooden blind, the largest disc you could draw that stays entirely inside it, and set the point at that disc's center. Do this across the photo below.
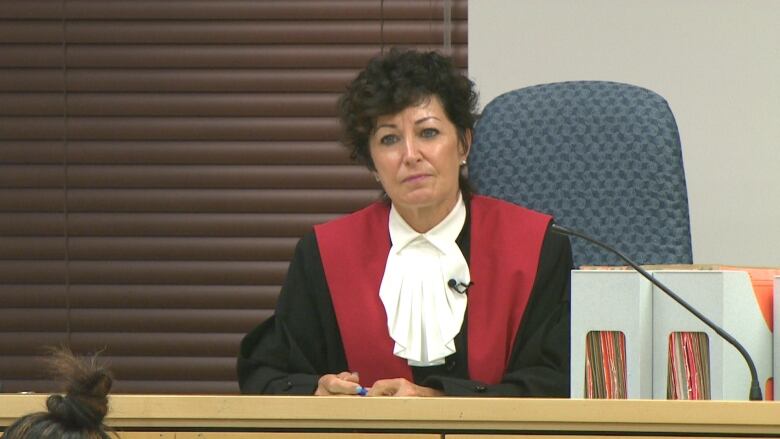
(160, 159)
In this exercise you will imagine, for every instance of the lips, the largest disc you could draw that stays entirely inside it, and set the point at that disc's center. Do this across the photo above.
(415, 178)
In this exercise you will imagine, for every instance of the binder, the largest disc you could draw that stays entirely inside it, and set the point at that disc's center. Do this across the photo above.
(619, 299)
(728, 299)
(613, 301)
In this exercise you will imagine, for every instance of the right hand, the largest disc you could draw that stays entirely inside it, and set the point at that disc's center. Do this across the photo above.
(345, 383)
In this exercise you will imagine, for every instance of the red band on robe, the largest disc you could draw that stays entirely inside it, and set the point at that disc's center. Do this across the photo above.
(506, 242)
(354, 252)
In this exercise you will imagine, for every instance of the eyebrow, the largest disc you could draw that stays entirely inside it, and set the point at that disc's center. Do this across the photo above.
(384, 125)
(417, 122)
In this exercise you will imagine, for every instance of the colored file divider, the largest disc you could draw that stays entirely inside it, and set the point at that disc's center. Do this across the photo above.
(605, 365)
(688, 374)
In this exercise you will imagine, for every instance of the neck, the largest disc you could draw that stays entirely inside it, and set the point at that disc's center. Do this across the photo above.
(422, 219)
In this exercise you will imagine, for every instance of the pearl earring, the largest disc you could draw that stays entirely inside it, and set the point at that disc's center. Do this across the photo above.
(463, 163)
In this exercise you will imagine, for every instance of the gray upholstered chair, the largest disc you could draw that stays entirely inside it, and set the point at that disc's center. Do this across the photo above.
(604, 158)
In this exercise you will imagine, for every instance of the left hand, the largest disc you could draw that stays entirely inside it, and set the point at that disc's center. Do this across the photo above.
(401, 387)
(345, 383)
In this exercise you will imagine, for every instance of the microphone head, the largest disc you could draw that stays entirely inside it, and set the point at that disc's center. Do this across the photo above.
(452, 283)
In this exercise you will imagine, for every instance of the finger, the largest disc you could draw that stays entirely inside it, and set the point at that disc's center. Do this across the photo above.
(406, 389)
(349, 376)
(384, 388)
(335, 385)
(327, 385)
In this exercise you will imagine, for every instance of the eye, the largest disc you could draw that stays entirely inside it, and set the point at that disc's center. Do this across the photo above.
(388, 139)
(429, 132)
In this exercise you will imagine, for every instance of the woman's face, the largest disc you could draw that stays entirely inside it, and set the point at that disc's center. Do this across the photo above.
(417, 155)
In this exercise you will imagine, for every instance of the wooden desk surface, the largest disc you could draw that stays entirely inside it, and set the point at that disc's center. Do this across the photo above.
(442, 415)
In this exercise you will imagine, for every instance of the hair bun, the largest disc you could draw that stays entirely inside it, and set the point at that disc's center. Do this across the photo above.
(80, 411)
(75, 412)
(87, 385)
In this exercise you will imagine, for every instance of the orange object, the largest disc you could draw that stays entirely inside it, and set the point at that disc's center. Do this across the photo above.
(763, 287)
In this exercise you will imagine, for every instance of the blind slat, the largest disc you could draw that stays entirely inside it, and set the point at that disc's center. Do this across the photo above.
(144, 321)
(199, 387)
(31, 31)
(32, 176)
(32, 295)
(31, 55)
(29, 343)
(32, 248)
(32, 128)
(25, 9)
(180, 104)
(217, 152)
(32, 320)
(31, 151)
(162, 248)
(208, 200)
(193, 224)
(156, 386)
(170, 296)
(168, 344)
(207, 177)
(32, 80)
(32, 224)
(238, 56)
(32, 200)
(146, 367)
(195, 80)
(252, 9)
(172, 368)
(156, 344)
(248, 32)
(33, 272)
(32, 104)
(169, 272)
(189, 128)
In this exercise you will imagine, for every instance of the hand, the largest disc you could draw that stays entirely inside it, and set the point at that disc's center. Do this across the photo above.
(345, 383)
(401, 387)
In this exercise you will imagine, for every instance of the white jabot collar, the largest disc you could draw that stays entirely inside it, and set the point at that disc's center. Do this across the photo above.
(423, 313)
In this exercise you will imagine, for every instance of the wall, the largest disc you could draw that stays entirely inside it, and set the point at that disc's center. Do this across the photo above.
(717, 62)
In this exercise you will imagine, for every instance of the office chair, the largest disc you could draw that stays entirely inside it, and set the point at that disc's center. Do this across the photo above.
(603, 158)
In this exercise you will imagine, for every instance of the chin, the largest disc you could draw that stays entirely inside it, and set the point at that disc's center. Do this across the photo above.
(415, 202)
(421, 197)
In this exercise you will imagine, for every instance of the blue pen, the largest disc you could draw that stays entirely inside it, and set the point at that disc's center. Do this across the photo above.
(362, 391)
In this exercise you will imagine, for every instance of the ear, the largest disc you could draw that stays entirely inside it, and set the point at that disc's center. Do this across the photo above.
(466, 148)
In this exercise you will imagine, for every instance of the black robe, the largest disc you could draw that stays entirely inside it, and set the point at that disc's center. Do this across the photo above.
(288, 353)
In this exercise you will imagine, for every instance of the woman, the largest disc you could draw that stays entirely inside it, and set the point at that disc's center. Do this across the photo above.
(79, 413)
(432, 291)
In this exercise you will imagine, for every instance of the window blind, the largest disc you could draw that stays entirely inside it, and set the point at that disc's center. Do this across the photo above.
(158, 163)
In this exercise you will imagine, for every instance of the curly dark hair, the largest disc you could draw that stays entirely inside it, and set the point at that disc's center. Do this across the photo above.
(399, 79)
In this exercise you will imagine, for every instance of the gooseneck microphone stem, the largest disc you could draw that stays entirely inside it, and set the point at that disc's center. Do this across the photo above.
(755, 387)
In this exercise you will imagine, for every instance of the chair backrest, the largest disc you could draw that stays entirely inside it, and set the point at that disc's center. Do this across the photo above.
(602, 157)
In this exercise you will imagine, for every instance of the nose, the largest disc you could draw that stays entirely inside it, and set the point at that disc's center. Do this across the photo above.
(411, 150)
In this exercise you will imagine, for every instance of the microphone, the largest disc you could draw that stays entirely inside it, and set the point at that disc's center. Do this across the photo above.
(755, 387)
(459, 287)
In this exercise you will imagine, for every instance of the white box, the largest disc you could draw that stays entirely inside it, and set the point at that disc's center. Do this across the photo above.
(727, 298)
(606, 300)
